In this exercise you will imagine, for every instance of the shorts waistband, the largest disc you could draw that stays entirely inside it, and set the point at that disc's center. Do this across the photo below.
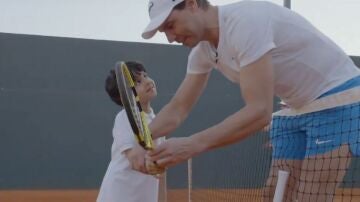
(346, 97)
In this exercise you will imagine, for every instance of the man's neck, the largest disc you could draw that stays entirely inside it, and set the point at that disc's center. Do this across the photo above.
(211, 17)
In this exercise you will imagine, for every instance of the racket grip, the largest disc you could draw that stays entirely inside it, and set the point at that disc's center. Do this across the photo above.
(153, 168)
(149, 144)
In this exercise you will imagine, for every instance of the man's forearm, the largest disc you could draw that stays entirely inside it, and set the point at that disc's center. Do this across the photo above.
(167, 120)
(175, 112)
(233, 129)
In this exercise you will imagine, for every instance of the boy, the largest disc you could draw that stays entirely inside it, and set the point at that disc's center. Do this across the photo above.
(121, 182)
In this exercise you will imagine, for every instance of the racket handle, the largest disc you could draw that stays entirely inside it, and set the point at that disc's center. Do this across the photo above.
(153, 168)
(149, 144)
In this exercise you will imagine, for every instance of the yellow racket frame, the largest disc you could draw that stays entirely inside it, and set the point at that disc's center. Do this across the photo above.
(144, 131)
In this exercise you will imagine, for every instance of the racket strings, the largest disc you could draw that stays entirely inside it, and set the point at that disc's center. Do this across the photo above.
(143, 135)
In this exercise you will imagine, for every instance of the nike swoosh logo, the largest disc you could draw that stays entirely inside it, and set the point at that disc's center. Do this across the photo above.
(322, 142)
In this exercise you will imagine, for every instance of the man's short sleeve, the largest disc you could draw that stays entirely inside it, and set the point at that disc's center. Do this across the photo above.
(199, 60)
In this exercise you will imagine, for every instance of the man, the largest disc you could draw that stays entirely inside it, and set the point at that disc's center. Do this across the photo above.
(267, 50)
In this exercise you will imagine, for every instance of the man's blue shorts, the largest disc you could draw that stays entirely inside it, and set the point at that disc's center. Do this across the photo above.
(304, 135)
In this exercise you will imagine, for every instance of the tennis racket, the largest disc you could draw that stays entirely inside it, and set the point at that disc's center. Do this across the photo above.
(131, 103)
(134, 111)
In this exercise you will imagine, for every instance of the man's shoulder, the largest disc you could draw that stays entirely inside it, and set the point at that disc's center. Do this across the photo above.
(246, 4)
(244, 10)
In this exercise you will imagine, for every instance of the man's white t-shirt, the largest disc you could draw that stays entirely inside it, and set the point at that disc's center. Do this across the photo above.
(306, 63)
(121, 183)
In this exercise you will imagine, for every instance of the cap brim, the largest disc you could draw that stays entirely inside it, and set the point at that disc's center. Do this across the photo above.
(154, 25)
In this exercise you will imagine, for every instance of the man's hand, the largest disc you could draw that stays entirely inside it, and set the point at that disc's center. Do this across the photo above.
(174, 151)
(153, 168)
(136, 157)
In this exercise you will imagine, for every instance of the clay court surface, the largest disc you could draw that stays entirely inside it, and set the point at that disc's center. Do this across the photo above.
(177, 195)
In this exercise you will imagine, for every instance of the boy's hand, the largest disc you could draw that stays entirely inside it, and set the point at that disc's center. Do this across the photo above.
(153, 169)
(136, 157)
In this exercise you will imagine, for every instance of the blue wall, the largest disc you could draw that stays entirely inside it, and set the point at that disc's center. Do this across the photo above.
(56, 119)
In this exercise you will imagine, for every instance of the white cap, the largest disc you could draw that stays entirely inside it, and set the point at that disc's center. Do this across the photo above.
(159, 10)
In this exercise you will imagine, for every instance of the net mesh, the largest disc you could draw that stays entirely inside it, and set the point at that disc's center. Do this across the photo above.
(248, 171)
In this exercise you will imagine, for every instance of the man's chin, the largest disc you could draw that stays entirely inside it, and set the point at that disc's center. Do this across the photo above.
(190, 44)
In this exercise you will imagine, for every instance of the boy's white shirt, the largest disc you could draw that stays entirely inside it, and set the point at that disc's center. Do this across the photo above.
(306, 63)
(121, 182)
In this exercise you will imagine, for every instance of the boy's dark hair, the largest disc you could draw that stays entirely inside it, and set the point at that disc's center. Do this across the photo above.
(110, 83)
(204, 4)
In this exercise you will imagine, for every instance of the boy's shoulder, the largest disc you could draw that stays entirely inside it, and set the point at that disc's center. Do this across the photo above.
(121, 122)
(121, 115)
